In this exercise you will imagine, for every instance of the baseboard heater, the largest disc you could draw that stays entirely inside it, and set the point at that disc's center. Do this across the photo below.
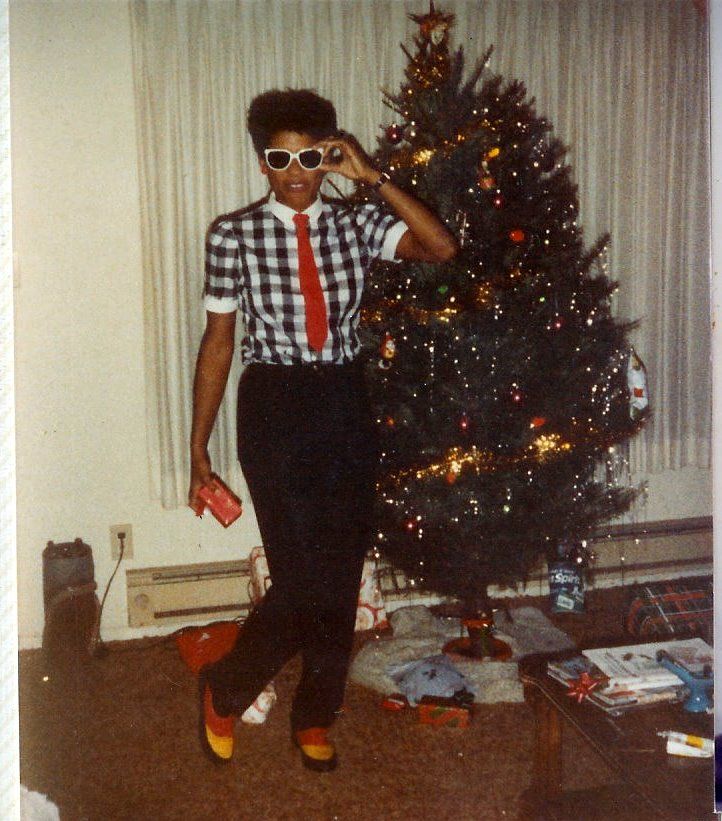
(181, 594)
(195, 593)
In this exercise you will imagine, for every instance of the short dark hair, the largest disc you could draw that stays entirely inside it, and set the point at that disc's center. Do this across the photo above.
(295, 109)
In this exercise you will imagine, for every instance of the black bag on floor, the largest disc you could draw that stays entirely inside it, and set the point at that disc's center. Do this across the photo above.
(71, 604)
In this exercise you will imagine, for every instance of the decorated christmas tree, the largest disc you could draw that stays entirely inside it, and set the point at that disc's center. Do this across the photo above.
(500, 379)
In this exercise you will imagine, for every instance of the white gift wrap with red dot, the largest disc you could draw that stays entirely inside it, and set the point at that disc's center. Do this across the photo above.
(371, 612)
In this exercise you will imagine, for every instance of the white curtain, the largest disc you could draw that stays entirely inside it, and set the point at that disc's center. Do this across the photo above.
(623, 81)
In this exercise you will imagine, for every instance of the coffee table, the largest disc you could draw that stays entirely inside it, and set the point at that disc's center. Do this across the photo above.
(652, 784)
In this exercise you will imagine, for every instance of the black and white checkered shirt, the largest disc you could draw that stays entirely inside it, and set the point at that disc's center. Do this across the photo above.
(252, 265)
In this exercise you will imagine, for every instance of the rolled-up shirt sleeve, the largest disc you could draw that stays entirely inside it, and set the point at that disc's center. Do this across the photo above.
(221, 287)
(381, 231)
(391, 240)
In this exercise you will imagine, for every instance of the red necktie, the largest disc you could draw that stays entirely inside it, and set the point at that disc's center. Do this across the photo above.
(316, 321)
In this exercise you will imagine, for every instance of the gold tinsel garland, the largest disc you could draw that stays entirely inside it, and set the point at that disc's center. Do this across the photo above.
(421, 315)
(542, 449)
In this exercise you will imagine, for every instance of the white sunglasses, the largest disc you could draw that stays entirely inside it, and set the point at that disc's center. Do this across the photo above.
(279, 158)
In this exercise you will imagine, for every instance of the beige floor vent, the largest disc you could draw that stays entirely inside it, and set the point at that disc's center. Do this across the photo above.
(187, 593)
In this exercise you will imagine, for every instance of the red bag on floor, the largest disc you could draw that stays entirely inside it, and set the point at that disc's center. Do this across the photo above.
(199, 646)
(204, 645)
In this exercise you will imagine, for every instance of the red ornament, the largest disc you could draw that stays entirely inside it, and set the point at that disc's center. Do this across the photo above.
(394, 134)
(498, 201)
(387, 351)
(487, 183)
(451, 477)
(538, 422)
(517, 235)
(390, 422)
(581, 687)
(388, 347)
(464, 422)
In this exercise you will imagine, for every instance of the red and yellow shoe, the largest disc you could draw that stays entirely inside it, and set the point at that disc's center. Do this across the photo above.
(317, 752)
(215, 732)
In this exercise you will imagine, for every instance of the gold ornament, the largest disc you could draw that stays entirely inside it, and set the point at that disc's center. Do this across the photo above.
(422, 156)
(548, 445)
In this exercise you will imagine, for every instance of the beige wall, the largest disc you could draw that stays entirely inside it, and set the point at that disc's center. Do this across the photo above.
(80, 397)
(79, 333)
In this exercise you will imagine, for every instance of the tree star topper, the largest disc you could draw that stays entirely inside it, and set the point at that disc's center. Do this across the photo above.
(434, 25)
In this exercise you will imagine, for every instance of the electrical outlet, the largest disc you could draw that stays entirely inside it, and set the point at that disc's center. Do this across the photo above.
(115, 541)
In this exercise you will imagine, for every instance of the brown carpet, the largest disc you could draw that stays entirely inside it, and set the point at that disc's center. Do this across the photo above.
(115, 738)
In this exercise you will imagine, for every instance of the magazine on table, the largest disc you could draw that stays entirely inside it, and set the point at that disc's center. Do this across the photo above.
(618, 700)
(630, 677)
(613, 700)
(610, 698)
(635, 666)
(567, 670)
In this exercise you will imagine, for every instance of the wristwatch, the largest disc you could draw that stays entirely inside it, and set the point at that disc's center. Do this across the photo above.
(382, 180)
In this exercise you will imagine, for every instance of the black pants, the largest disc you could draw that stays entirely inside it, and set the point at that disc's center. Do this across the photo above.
(307, 448)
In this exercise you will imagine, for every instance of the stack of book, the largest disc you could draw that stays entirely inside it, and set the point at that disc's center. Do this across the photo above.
(631, 677)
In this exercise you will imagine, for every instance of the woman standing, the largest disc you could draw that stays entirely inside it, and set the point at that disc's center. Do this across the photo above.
(294, 265)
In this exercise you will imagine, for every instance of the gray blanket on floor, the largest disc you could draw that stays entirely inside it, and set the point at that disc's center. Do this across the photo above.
(417, 634)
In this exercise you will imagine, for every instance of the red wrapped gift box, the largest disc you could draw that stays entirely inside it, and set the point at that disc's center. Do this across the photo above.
(443, 712)
(221, 501)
